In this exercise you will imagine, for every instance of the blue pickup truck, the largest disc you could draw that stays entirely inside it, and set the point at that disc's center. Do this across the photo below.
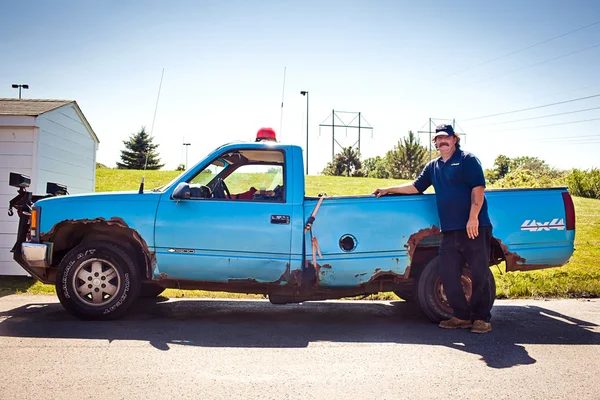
(239, 221)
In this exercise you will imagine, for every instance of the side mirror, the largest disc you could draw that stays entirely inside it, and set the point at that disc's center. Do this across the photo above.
(182, 191)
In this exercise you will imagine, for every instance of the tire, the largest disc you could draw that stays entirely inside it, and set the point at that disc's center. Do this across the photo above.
(405, 295)
(114, 282)
(150, 290)
(431, 295)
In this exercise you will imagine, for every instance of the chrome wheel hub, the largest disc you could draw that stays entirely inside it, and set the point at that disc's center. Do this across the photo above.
(96, 282)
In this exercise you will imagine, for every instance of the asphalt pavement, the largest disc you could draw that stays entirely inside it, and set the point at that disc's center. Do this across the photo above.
(241, 349)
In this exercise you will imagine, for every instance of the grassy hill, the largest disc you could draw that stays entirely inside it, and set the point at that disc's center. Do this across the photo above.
(579, 278)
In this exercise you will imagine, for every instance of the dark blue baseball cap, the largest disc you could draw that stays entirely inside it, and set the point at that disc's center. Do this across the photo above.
(443, 130)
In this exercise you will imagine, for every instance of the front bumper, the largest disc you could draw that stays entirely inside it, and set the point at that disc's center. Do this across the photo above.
(35, 254)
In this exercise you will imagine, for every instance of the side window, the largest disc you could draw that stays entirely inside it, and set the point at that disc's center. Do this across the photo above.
(257, 182)
(209, 173)
(242, 175)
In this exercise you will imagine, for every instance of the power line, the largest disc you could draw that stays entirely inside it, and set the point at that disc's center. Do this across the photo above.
(546, 126)
(532, 108)
(539, 63)
(585, 137)
(581, 143)
(543, 116)
(518, 51)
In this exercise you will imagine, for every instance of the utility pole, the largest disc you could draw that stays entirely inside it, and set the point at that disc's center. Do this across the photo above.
(305, 93)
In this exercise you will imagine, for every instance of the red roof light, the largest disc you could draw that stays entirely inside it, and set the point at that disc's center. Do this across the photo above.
(266, 134)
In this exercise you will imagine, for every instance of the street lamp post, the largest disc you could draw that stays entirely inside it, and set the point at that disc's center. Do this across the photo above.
(305, 93)
(24, 86)
(186, 154)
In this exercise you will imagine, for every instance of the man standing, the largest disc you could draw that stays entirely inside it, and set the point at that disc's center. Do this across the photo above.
(459, 184)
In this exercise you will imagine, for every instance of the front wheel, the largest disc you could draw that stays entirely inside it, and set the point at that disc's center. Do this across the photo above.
(97, 280)
(431, 296)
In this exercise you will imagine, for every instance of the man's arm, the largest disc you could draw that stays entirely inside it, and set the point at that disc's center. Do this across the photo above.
(476, 204)
(407, 188)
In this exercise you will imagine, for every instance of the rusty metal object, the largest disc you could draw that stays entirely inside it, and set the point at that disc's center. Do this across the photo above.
(514, 262)
(416, 238)
(385, 275)
(512, 259)
(466, 284)
(149, 257)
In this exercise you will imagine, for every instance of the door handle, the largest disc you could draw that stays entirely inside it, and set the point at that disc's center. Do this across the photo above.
(280, 219)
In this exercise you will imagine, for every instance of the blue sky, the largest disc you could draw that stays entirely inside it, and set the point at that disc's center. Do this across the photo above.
(399, 63)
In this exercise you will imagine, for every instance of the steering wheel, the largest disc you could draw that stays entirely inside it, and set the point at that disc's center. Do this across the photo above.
(221, 191)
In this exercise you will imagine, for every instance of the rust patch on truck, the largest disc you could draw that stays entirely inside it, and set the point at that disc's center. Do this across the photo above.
(512, 259)
(72, 229)
(285, 276)
(384, 274)
(242, 281)
(514, 262)
(415, 239)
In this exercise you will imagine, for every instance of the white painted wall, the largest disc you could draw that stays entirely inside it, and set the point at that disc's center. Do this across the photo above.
(54, 147)
(16, 155)
(66, 153)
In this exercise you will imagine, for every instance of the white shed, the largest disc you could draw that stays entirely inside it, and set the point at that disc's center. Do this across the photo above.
(50, 141)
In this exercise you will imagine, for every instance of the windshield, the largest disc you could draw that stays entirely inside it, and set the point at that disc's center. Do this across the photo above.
(164, 187)
(167, 185)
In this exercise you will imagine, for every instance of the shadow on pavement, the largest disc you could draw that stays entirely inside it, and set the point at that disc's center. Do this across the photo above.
(216, 323)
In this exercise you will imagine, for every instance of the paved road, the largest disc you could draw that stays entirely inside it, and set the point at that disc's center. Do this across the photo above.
(205, 349)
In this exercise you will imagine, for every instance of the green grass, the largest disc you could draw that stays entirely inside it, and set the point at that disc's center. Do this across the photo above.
(579, 278)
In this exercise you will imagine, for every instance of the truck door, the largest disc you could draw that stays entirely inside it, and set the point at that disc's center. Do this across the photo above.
(234, 225)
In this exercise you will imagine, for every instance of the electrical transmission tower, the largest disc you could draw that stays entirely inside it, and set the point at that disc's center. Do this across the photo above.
(338, 122)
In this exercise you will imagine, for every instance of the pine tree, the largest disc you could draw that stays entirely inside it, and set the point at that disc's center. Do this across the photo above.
(137, 147)
(407, 159)
(347, 162)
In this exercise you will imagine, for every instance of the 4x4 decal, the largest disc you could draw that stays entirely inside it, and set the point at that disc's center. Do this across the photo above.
(534, 226)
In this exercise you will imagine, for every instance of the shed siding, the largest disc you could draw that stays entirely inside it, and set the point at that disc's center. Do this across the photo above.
(16, 155)
(66, 151)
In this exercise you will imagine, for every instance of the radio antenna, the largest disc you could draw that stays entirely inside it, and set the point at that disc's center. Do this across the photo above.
(281, 115)
(141, 191)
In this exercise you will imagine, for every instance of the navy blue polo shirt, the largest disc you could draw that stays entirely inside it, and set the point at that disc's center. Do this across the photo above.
(453, 181)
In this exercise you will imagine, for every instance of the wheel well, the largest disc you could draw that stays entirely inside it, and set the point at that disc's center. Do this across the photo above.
(425, 253)
(69, 234)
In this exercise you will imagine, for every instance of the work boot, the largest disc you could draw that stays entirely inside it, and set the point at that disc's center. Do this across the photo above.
(455, 323)
(480, 326)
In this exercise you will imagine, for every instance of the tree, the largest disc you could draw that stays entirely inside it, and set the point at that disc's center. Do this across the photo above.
(505, 166)
(502, 166)
(137, 147)
(407, 159)
(347, 162)
(375, 167)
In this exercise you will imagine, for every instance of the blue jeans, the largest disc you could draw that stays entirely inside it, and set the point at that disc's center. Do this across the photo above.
(456, 250)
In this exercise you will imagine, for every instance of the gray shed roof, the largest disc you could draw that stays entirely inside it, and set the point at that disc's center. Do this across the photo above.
(29, 107)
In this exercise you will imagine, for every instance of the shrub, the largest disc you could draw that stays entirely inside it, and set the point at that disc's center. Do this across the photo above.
(585, 183)
(522, 177)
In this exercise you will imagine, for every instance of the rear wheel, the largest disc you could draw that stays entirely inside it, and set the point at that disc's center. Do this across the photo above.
(431, 296)
(97, 280)
(406, 295)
